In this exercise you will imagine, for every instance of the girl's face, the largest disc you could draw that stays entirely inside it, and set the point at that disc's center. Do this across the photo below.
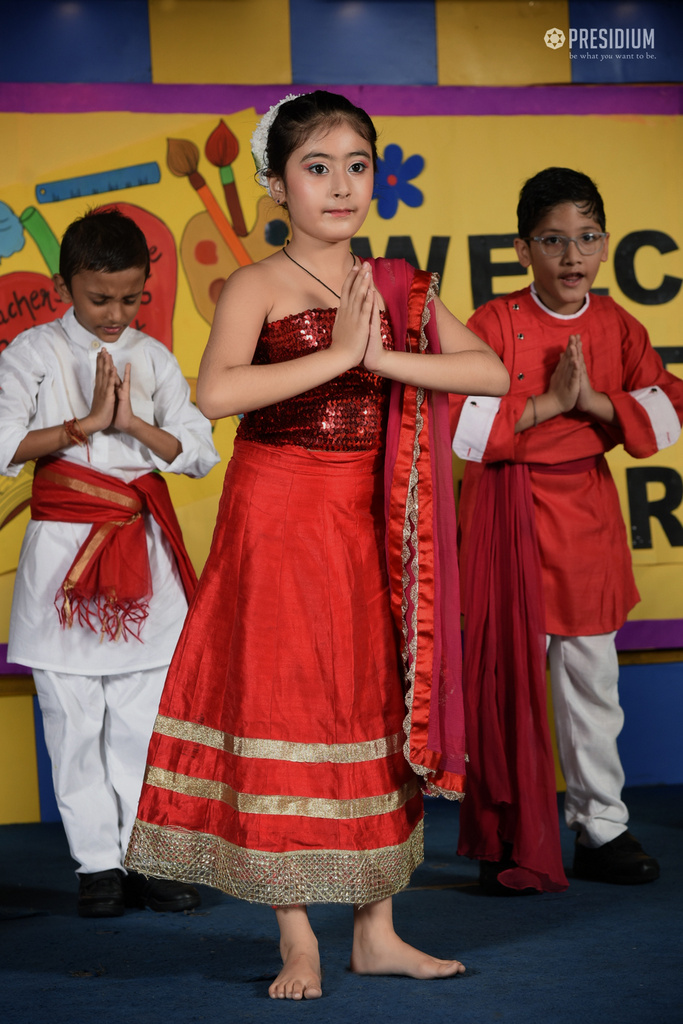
(328, 184)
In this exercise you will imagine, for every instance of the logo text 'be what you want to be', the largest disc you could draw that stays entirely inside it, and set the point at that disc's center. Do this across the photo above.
(621, 43)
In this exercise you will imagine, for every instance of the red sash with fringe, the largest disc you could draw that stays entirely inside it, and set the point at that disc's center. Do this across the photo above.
(109, 583)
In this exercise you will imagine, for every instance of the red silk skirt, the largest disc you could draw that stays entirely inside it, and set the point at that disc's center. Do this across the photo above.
(276, 770)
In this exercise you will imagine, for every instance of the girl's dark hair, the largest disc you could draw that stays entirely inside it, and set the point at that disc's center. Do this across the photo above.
(551, 187)
(104, 240)
(299, 118)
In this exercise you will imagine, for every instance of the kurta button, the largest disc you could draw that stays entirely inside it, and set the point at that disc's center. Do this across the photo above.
(473, 402)
(520, 376)
(520, 337)
(515, 306)
(95, 344)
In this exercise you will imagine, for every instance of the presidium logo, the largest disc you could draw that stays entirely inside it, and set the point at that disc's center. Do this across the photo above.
(554, 38)
(623, 43)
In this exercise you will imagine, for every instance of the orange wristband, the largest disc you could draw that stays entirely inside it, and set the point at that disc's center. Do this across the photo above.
(77, 435)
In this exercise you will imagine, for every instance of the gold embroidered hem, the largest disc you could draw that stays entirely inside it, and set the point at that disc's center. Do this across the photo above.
(279, 750)
(279, 879)
(267, 803)
(447, 794)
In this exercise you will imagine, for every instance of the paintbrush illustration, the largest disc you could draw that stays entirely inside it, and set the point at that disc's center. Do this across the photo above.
(182, 157)
(221, 150)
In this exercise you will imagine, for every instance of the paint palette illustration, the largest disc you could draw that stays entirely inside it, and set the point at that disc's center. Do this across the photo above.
(207, 260)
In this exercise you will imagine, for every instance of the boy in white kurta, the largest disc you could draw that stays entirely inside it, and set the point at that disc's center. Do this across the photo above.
(98, 403)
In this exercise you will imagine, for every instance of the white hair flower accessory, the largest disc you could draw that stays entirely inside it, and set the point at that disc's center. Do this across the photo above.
(259, 141)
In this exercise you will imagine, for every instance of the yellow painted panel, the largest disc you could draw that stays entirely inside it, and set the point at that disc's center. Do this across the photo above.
(238, 42)
(19, 800)
(474, 167)
(6, 588)
(501, 42)
(11, 537)
(143, 137)
(659, 586)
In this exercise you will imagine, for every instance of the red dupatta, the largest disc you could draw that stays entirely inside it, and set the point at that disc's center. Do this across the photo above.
(421, 543)
(511, 799)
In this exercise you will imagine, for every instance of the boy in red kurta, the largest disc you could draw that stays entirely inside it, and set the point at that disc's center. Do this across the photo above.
(545, 563)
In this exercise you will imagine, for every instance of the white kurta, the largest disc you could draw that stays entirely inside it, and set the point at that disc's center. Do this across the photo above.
(47, 376)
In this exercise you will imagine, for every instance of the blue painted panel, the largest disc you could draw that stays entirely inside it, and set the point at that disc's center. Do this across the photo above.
(650, 742)
(367, 42)
(54, 41)
(46, 794)
(631, 42)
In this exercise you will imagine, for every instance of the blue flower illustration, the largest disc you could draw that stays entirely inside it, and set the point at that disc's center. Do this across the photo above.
(392, 181)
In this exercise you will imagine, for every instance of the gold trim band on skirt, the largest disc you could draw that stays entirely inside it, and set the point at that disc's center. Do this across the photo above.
(279, 750)
(279, 879)
(299, 806)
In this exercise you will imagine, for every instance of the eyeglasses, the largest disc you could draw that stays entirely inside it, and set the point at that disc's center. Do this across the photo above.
(588, 243)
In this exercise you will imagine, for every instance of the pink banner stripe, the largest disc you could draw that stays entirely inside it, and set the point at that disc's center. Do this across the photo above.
(386, 101)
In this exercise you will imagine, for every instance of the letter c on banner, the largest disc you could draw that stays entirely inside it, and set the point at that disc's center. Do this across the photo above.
(624, 268)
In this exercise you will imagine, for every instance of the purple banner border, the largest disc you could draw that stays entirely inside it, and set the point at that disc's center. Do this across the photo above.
(380, 101)
(7, 668)
(651, 634)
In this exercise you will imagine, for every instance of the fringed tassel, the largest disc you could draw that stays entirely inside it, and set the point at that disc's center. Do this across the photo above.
(103, 614)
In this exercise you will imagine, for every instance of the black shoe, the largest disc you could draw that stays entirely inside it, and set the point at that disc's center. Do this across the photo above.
(621, 861)
(488, 876)
(162, 894)
(100, 894)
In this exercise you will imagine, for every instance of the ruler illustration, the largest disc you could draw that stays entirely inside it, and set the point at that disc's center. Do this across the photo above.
(94, 184)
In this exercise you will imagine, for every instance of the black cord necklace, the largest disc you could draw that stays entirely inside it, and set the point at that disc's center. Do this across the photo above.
(313, 275)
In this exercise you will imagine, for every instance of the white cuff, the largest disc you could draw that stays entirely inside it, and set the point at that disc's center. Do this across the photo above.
(12, 436)
(474, 426)
(663, 417)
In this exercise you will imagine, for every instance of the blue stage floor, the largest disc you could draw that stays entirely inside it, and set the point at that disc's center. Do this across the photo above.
(597, 953)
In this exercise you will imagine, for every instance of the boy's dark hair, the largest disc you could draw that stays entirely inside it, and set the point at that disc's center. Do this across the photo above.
(551, 187)
(301, 117)
(103, 240)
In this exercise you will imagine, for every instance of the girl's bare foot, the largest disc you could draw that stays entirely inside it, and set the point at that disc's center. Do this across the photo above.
(377, 949)
(395, 956)
(300, 974)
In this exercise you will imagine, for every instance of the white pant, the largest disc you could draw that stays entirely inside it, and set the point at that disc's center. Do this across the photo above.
(584, 674)
(97, 730)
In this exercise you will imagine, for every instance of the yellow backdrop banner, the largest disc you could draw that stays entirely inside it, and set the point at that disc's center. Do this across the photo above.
(450, 188)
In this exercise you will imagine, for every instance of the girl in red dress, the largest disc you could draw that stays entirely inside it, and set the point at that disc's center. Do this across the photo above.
(315, 691)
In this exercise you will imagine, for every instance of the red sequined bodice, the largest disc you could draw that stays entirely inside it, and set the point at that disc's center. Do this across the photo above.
(345, 414)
